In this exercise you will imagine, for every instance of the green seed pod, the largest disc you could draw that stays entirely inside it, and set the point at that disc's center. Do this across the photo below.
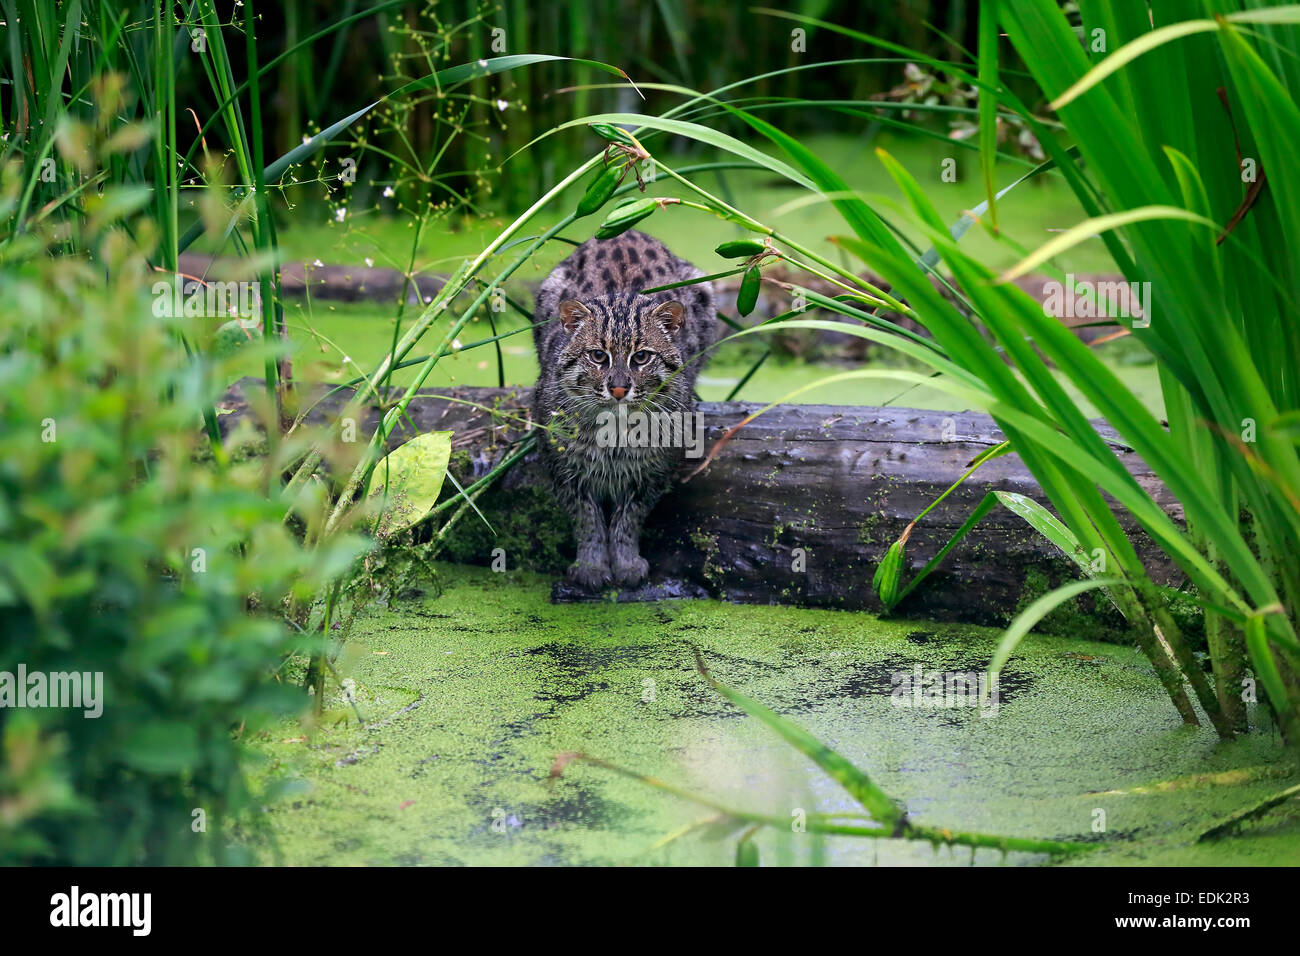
(611, 133)
(746, 853)
(749, 285)
(623, 217)
(888, 573)
(598, 193)
(740, 249)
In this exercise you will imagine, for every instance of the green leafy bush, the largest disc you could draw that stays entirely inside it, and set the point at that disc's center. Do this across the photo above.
(123, 553)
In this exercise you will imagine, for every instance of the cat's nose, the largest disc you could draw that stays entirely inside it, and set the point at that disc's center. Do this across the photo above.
(618, 392)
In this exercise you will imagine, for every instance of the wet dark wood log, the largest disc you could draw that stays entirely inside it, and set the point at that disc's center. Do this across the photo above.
(335, 283)
(797, 508)
(384, 286)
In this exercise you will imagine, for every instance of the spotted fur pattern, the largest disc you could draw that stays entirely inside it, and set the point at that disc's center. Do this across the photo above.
(600, 342)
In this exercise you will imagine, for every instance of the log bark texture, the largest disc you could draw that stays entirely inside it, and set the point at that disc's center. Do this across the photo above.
(798, 507)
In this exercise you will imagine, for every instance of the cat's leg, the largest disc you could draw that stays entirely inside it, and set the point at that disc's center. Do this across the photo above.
(625, 524)
(591, 569)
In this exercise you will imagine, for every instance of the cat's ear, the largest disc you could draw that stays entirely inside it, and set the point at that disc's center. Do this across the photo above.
(573, 312)
(670, 315)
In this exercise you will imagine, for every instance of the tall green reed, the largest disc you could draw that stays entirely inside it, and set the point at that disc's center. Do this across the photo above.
(1164, 189)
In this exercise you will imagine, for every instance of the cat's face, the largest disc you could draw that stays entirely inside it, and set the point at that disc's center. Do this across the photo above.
(620, 348)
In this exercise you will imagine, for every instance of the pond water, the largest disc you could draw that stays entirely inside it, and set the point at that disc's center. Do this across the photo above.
(469, 696)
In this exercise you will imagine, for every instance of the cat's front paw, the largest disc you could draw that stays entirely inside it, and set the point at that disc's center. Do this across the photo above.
(588, 575)
(631, 571)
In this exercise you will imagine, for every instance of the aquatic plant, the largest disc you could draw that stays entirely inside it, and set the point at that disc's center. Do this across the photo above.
(886, 819)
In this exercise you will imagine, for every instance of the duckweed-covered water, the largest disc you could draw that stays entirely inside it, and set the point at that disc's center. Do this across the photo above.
(468, 697)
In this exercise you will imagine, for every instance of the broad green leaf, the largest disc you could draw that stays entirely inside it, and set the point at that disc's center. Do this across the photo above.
(412, 475)
(894, 339)
(912, 190)
(1274, 120)
(304, 151)
(1288, 424)
(1121, 408)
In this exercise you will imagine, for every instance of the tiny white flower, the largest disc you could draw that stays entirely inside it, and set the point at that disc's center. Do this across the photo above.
(306, 140)
(388, 191)
(318, 264)
(501, 105)
(341, 213)
(370, 263)
(482, 62)
(347, 359)
(455, 345)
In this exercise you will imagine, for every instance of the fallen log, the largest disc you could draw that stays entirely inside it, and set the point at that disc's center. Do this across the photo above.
(335, 283)
(798, 507)
(384, 287)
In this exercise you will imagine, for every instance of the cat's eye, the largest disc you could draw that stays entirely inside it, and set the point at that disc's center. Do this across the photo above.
(642, 357)
(599, 356)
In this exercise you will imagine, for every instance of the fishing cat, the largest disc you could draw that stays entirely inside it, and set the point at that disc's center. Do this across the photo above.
(601, 344)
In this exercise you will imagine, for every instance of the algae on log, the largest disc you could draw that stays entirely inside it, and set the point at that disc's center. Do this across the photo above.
(798, 507)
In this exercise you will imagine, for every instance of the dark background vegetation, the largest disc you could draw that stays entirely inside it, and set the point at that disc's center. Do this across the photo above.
(690, 43)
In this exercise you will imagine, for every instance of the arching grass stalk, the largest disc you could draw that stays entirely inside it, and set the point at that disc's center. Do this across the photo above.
(361, 474)
(728, 213)
(753, 225)
(827, 823)
(889, 815)
(440, 302)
